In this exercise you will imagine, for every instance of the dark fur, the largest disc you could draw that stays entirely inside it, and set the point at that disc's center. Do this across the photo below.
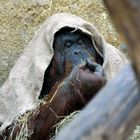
(69, 51)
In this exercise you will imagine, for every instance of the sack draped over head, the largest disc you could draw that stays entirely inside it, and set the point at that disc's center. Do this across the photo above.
(22, 88)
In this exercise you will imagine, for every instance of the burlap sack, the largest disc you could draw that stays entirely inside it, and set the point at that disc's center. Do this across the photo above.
(22, 88)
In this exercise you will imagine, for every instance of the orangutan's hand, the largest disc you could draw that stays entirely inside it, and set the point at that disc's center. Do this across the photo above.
(87, 79)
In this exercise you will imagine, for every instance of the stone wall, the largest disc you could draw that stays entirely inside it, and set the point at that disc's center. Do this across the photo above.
(19, 19)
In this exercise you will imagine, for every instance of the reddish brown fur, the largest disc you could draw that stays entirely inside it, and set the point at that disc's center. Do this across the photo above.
(72, 94)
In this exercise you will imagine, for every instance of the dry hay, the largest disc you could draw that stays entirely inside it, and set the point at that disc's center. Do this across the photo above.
(64, 122)
(21, 122)
(24, 133)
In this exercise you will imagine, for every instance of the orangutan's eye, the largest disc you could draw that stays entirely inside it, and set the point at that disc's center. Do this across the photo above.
(68, 44)
(80, 41)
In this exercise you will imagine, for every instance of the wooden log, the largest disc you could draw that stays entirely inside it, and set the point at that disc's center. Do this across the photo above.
(111, 115)
(126, 16)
